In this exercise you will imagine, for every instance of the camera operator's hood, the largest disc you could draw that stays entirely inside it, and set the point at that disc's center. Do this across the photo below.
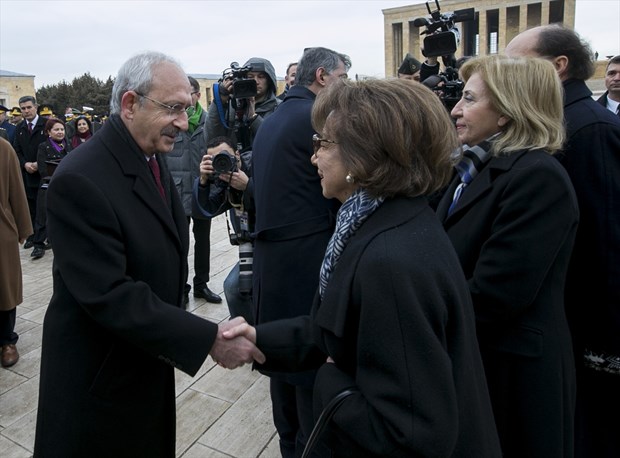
(259, 64)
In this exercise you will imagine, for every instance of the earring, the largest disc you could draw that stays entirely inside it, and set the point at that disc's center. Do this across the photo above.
(349, 178)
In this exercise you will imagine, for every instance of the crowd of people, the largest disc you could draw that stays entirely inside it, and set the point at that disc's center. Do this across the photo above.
(414, 280)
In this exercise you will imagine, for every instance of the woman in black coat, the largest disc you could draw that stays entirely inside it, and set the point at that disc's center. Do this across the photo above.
(392, 320)
(511, 213)
(49, 154)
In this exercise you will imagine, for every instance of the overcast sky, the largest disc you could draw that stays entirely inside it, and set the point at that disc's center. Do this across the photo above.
(61, 40)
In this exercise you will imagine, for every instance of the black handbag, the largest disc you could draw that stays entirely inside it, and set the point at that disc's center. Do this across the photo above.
(324, 418)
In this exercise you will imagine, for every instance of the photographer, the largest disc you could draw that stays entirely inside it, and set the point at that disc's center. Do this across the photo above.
(223, 113)
(225, 186)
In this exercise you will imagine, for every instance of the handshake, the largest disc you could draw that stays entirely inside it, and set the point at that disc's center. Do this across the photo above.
(235, 344)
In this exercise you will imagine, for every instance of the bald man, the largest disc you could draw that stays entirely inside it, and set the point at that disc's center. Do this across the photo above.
(591, 157)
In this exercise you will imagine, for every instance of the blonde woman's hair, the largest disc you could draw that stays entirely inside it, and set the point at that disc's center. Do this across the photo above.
(528, 91)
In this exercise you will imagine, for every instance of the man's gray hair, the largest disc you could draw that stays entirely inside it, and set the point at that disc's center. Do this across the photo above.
(313, 58)
(137, 75)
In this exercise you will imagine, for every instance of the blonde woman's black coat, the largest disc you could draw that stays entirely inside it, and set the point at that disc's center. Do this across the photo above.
(513, 229)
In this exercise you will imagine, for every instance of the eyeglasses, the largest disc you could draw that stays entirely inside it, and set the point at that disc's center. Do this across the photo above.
(174, 111)
(317, 142)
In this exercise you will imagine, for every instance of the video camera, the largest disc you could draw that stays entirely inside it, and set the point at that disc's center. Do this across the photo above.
(243, 87)
(447, 40)
(447, 86)
(443, 40)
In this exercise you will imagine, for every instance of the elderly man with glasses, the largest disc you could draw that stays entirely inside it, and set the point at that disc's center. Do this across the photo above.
(115, 328)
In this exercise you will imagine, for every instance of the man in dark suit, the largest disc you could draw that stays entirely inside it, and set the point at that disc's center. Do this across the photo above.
(611, 98)
(289, 78)
(591, 157)
(115, 328)
(30, 133)
(293, 225)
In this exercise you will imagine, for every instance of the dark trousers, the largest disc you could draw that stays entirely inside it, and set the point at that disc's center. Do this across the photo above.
(40, 224)
(597, 422)
(7, 327)
(32, 197)
(238, 304)
(202, 251)
(293, 418)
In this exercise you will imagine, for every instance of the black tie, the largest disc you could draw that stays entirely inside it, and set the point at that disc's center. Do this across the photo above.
(30, 127)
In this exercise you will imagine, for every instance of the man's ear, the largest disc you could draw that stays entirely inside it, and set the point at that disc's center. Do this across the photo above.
(561, 66)
(129, 102)
(319, 76)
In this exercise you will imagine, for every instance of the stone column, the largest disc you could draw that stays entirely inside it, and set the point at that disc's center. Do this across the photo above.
(501, 32)
(389, 49)
(522, 18)
(483, 39)
(544, 13)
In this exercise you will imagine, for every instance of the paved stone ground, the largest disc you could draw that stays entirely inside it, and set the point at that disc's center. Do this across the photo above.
(220, 413)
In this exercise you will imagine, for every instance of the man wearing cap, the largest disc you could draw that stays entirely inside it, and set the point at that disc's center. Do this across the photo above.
(6, 125)
(30, 133)
(46, 110)
(410, 68)
(15, 116)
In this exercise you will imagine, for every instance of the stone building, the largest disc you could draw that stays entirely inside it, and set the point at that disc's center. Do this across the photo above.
(494, 25)
(13, 86)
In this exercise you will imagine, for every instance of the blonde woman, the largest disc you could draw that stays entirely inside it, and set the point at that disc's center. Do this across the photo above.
(511, 213)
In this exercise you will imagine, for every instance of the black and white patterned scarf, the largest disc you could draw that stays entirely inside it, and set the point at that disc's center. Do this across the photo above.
(353, 212)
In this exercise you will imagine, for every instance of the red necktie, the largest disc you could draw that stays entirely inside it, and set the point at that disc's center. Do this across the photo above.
(154, 166)
(29, 127)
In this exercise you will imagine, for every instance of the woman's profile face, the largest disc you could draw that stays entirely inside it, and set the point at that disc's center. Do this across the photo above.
(331, 168)
(476, 119)
(82, 126)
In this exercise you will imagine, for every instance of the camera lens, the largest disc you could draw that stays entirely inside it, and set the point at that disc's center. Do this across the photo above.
(224, 162)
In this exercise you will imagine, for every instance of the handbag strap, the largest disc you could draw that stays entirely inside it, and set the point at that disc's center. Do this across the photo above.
(324, 418)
